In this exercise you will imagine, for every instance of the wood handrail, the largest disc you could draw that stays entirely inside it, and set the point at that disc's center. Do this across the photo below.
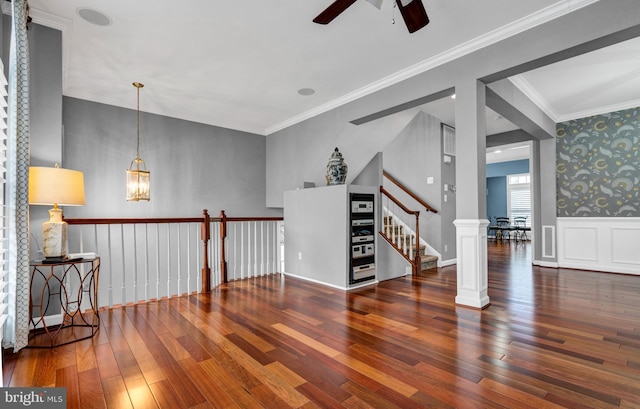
(162, 220)
(409, 192)
(398, 202)
(255, 219)
(205, 234)
(165, 220)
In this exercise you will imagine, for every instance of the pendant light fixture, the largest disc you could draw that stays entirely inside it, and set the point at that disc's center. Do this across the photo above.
(138, 177)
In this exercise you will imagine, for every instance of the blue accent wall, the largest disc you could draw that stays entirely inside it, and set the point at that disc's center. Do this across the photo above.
(496, 197)
(508, 168)
(497, 185)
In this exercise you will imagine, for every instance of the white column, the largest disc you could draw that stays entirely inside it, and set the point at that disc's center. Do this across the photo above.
(471, 201)
(471, 240)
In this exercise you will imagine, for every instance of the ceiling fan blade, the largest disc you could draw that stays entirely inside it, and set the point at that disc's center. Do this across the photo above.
(333, 11)
(414, 14)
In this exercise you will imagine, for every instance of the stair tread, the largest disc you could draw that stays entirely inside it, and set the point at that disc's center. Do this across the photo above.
(428, 257)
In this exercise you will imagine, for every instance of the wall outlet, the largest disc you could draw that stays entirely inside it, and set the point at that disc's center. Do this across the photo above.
(299, 255)
(445, 248)
(445, 198)
(430, 180)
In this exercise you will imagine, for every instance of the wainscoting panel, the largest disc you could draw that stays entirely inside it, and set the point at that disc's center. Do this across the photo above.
(602, 244)
(586, 240)
(625, 245)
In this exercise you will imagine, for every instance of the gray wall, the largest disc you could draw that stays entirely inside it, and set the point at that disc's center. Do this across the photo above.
(300, 153)
(46, 95)
(412, 157)
(448, 208)
(45, 53)
(543, 175)
(193, 166)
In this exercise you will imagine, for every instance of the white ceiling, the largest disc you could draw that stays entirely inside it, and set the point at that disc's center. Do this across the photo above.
(240, 64)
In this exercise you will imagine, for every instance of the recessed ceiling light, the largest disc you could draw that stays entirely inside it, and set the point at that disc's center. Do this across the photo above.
(94, 17)
(306, 91)
(498, 151)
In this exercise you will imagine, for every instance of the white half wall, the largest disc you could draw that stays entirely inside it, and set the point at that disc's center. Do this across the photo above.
(601, 244)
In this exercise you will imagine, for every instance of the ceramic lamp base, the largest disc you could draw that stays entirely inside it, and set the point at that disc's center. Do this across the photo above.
(54, 236)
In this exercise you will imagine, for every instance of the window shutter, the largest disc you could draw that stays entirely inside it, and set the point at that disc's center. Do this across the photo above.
(448, 140)
(521, 203)
(519, 196)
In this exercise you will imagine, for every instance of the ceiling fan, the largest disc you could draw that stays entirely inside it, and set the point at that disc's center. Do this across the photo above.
(413, 12)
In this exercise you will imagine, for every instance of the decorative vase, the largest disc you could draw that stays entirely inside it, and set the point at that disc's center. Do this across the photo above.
(336, 169)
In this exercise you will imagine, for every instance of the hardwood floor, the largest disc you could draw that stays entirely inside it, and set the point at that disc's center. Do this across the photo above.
(551, 338)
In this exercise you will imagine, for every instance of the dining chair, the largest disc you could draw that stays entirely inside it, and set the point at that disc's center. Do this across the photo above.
(520, 227)
(504, 228)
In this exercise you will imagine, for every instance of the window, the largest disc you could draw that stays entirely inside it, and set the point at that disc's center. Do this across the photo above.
(448, 140)
(519, 196)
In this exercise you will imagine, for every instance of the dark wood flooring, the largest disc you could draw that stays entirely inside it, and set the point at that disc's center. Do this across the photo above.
(551, 338)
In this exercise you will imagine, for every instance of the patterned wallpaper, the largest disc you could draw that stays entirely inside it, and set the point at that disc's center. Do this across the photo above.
(598, 165)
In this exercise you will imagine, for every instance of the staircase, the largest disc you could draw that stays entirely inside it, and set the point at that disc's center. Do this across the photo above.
(403, 242)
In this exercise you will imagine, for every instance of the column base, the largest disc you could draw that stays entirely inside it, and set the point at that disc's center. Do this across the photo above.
(472, 271)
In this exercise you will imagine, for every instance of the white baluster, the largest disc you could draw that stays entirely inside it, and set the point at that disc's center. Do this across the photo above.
(135, 264)
(146, 262)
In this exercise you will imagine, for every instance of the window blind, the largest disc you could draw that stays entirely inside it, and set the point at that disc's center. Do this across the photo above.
(448, 140)
(521, 204)
(4, 266)
(519, 199)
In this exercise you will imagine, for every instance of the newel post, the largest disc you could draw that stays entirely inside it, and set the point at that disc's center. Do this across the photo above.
(223, 236)
(205, 236)
(417, 260)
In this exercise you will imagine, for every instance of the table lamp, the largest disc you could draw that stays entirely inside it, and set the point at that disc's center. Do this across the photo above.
(58, 187)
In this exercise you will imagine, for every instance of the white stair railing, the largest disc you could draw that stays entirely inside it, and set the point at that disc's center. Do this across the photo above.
(142, 261)
(399, 228)
(255, 248)
(149, 259)
(408, 220)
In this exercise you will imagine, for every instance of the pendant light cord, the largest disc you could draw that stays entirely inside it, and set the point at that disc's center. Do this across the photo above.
(138, 85)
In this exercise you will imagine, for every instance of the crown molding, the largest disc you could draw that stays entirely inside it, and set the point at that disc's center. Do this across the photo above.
(599, 111)
(523, 85)
(518, 26)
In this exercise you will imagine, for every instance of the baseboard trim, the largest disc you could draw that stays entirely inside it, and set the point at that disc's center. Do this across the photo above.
(542, 263)
(337, 287)
(451, 262)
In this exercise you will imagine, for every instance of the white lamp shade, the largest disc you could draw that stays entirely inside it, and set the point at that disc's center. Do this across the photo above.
(56, 186)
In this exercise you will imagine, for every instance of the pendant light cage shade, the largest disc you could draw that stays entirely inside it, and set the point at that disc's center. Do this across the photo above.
(138, 181)
(138, 177)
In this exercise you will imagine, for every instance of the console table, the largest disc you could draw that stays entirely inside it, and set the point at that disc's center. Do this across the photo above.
(64, 302)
